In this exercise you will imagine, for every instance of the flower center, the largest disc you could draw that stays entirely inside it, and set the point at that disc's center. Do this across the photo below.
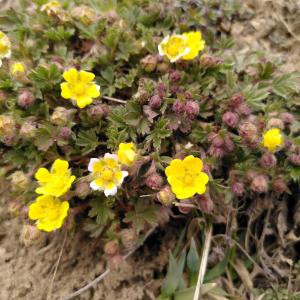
(188, 179)
(107, 174)
(174, 46)
(79, 89)
(3, 49)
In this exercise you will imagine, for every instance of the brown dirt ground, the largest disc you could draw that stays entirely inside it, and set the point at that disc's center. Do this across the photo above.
(26, 273)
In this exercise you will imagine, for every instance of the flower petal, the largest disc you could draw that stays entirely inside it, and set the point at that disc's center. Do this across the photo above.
(83, 101)
(91, 164)
(71, 75)
(42, 175)
(110, 192)
(60, 166)
(65, 90)
(93, 90)
(86, 77)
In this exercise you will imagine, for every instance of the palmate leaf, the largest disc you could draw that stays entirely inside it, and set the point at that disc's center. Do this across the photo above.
(286, 85)
(59, 33)
(88, 140)
(159, 133)
(46, 77)
(45, 137)
(254, 96)
(100, 210)
(142, 214)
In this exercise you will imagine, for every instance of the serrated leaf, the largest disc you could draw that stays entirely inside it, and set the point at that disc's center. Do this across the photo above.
(159, 133)
(100, 210)
(88, 140)
(286, 85)
(254, 96)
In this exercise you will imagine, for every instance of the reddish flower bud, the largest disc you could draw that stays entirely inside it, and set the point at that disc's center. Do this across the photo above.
(231, 119)
(209, 61)
(155, 101)
(185, 206)
(268, 160)
(276, 123)
(250, 175)
(26, 98)
(295, 159)
(192, 109)
(287, 117)
(188, 95)
(28, 130)
(215, 139)
(216, 151)
(154, 181)
(178, 107)
(30, 236)
(260, 184)
(114, 262)
(248, 132)
(82, 189)
(206, 168)
(243, 109)
(174, 75)
(228, 144)
(161, 89)
(65, 133)
(279, 186)
(238, 188)
(98, 112)
(205, 204)
(236, 100)
(149, 63)
(111, 247)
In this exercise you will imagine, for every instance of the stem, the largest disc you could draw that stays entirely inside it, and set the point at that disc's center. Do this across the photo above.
(203, 265)
(114, 99)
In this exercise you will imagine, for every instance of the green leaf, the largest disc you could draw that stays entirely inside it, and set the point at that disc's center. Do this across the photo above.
(88, 140)
(286, 85)
(193, 263)
(254, 96)
(45, 137)
(174, 274)
(59, 33)
(159, 133)
(142, 214)
(265, 70)
(46, 77)
(100, 210)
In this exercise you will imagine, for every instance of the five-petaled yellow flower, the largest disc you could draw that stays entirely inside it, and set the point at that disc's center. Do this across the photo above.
(272, 139)
(18, 69)
(186, 46)
(107, 174)
(49, 212)
(5, 47)
(127, 154)
(186, 177)
(79, 86)
(51, 8)
(56, 182)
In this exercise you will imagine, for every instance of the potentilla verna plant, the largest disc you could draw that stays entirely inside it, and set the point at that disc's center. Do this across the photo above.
(186, 133)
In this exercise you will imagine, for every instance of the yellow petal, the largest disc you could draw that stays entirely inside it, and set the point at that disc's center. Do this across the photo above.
(99, 182)
(71, 75)
(35, 211)
(86, 77)
(42, 175)
(93, 91)
(65, 90)
(193, 164)
(59, 166)
(83, 101)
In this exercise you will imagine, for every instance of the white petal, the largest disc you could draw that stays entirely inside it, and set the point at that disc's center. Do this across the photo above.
(91, 164)
(98, 87)
(124, 174)
(186, 51)
(160, 50)
(0, 62)
(94, 186)
(111, 192)
(112, 156)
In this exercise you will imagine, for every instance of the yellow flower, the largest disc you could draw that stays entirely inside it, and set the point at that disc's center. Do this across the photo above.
(18, 69)
(5, 47)
(79, 86)
(49, 212)
(174, 47)
(107, 174)
(127, 153)
(195, 44)
(51, 8)
(186, 178)
(86, 14)
(272, 139)
(56, 182)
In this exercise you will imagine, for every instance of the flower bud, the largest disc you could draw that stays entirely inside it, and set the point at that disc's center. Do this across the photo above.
(128, 238)
(209, 61)
(228, 144)
(236, 100)
(205, 204)
(250, 175)
(185, 206)
(82, 189)
(15, 208)
(174, 75)
(99, 111)
(231, 119)
(7, 129)
(26, 98)
(163, 216)
(155, 101)
(178, 107)
(19, 181)
(188, 95)
(85, 14)
(268, 160)
(161, 89)
(111, 247)
(166, 196)
(295, 159)
(28, 130)
(149, 63)
(154, 181)
(215, 139)
(191, 109)
(276, 123)
(30, 236)
(163, 67)
(248, 132)
(243, 109)
(279, 186)
(65, 133)
(238, 188)
(260, 184)
(61, 116)
(287, 118)
(114, 262)
(217, 152)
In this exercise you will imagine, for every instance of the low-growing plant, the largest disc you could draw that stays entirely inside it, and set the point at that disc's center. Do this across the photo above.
(116, 115)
